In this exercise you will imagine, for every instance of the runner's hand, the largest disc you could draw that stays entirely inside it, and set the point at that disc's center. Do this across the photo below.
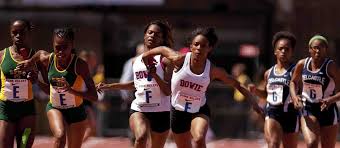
(325, 103)
(259, 110)
(25, 65)
(101, 87)
(298, 104)
(61, 84)
(252, 88)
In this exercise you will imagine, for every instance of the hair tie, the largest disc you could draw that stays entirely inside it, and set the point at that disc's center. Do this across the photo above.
(318, 37)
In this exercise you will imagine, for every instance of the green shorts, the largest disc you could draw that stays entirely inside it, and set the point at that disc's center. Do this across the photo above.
(71, 115)
(15, 111)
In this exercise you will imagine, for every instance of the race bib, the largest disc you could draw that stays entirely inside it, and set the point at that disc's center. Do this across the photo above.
(312, 92)
(188, 103)
(16, 90)
(149, 96)
(275, 94)
(62, 100)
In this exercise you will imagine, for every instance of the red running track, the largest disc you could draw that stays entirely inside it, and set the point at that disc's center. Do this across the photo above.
(122, 142)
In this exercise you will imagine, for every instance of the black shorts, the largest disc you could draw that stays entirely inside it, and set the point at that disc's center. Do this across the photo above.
(289, 121)
(181, 121)
(159, 121)
(327, 117)
(15, 111)
(70, 115)
(87, 103)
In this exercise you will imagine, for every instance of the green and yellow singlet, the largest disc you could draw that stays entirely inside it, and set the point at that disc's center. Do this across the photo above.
(15, 86)
(58, 98)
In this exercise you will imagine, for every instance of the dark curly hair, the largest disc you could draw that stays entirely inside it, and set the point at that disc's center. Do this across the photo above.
(166, 31)
(284, 35)
(208, 32)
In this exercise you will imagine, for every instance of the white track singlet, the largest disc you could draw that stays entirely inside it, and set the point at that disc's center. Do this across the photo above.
(149, 97)
(188, 89)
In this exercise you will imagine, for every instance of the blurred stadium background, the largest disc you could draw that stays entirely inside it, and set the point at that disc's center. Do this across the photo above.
(112, 28)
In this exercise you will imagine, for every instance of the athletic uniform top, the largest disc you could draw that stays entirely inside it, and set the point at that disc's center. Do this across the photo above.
(149, 97)
(316, 84)
(63, 99)
(278, 87)
(15, 86)
(188, 89)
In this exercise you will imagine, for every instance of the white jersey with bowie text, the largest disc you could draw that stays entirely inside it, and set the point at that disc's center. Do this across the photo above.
(149, 97)
(188, 89)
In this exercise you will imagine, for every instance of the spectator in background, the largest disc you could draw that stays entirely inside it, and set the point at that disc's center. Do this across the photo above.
(238, 71)
(257, 122)
(127, 76)
(96, 70)
(97, 74)
(260, 82)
